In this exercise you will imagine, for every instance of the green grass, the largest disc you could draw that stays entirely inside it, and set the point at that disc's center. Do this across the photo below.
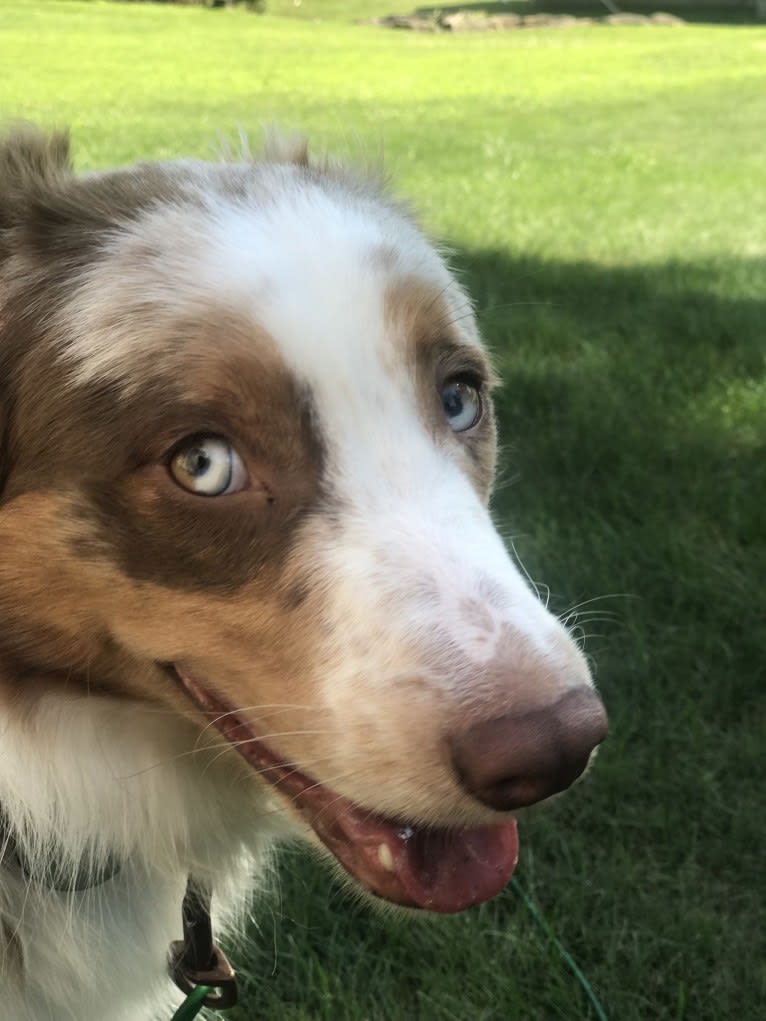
(603, 191)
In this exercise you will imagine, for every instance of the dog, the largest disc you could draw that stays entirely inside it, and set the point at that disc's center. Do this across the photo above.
(250, 588)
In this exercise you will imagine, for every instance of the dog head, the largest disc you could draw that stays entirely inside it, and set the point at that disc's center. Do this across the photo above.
(247, 448)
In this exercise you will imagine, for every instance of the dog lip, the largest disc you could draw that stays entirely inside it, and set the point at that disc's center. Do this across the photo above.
(433, 868)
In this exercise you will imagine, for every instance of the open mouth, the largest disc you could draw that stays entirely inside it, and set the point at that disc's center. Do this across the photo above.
(438, 869)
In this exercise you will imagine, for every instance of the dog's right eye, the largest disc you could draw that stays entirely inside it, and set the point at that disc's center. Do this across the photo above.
(462, 404)
(208, 466)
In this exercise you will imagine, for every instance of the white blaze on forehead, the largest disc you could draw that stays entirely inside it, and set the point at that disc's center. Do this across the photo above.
(314, 271)
(413, 522)
(305, 258)
(413, 535)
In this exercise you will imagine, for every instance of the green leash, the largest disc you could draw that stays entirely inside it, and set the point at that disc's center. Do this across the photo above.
(193, 1004)
(195, 1000)
(568, 959)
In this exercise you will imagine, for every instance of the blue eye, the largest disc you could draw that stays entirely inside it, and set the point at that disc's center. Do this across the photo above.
(462, 405)
(208, 466)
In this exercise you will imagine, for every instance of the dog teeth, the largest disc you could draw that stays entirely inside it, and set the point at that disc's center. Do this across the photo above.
(385, 857)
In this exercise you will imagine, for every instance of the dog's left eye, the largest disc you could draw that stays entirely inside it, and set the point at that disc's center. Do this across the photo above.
(462, 404)
(208, 466)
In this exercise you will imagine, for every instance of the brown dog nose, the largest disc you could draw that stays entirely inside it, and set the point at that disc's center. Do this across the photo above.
(515, 760)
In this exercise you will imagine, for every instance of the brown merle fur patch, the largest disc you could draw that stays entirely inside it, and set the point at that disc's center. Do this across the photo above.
(114, 447)
(84, 625)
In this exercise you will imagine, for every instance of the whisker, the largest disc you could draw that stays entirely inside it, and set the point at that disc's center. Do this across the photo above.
(528, 576)
(199, 749)
(280, 706)
(255, 740)
(583, 618)
(503, 306)
(596, 599)
(425, 310)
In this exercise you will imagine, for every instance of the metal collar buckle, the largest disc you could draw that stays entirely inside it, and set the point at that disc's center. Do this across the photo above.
(196, 960)
(218, 974)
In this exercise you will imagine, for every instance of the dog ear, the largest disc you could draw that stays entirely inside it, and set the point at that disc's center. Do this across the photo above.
(5, 408)
(4, 458)
(32, 164)
(282, 147)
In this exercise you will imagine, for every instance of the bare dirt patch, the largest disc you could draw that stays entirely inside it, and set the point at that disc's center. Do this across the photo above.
(469, 21)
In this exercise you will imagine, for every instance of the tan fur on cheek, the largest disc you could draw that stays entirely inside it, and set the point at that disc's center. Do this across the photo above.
(77, 622)
(46, 615)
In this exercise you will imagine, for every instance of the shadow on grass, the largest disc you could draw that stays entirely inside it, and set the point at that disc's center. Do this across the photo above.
(634, 416)
(737, 12)
(633, 412)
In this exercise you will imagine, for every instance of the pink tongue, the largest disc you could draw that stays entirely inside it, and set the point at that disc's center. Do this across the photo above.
(448, 871)
(442, 870)
(439, 870)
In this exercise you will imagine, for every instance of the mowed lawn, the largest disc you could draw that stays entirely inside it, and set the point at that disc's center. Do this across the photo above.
(604, 194)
